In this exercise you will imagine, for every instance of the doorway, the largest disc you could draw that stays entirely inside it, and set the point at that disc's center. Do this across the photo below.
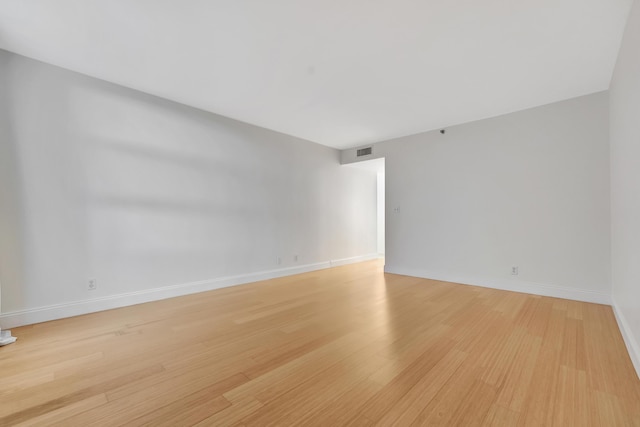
(378, 167)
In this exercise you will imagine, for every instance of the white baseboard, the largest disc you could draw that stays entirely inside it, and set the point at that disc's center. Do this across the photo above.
(352, 260)
(627, 335)
(514, 285)
(59, 311)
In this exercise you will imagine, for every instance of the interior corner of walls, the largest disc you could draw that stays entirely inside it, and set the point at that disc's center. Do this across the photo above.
(512, 285)
(633, 347)
(345, 156)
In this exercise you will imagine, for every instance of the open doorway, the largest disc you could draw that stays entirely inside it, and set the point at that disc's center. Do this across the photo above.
(380, 206)
(378, 167)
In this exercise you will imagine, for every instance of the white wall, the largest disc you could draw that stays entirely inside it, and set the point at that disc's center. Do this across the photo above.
(381, 212)
(99, 181)
(528, 189)
(625, 185)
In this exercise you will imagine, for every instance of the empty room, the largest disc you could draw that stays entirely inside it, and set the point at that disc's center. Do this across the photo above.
(328, 213)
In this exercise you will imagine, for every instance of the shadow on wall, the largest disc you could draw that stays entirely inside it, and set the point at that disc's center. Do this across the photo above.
(104, 185)
(138, 192)
(173, 196)
(12, 269)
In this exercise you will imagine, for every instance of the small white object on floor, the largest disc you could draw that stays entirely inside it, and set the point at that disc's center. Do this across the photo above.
(6, 338)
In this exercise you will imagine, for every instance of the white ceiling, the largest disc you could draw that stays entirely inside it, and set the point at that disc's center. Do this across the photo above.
(338, 72)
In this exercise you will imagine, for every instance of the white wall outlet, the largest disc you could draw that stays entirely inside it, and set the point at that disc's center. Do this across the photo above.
(278, 260)
(295, 258)
(92, 285)
(396, 209)
(514, 271)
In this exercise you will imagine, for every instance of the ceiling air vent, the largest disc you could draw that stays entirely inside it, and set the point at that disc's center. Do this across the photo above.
(364, 151)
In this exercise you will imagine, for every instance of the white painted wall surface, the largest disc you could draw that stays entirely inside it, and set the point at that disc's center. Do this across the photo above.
(625, 185)
(99, 181)
(528, 189)
(381, 212)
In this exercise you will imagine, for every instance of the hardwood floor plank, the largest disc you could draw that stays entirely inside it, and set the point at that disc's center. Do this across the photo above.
(499, 416)
(52, 417)
(395, 391)
(185, 411)
(337, 409)
(145, 402)
(233, 414)
(65, 397)
(408, 408)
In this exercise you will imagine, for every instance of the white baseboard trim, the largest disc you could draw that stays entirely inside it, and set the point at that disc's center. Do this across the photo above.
(627, 335)
(514, 285)
(352, 260)
(59, 311)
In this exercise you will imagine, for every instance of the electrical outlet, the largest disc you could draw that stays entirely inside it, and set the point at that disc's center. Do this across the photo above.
(514, 271)
(92, 285)
(295, 258)
(278, 260)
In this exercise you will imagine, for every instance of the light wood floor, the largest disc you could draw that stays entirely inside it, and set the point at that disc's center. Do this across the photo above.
(345, 346)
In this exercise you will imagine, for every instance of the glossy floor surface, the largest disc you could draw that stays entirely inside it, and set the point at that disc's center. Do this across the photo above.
(345, 346)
